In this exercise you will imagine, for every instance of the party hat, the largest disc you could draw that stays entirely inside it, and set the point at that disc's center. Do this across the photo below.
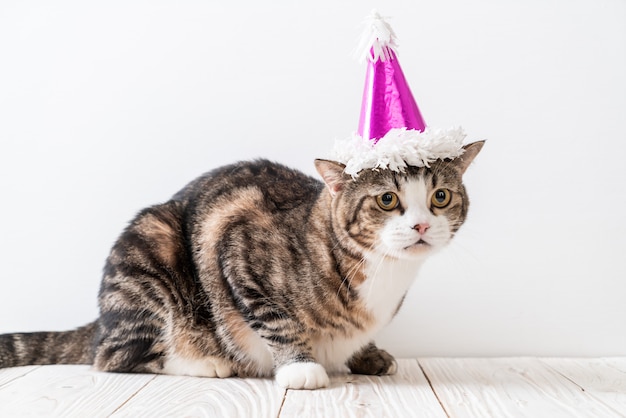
(391, 133)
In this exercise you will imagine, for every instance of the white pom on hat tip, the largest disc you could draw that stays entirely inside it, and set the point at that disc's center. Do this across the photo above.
(378, 39)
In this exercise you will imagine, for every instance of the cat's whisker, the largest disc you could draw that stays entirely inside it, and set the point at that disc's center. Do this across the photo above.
(359, 265)
(351, 274)
(356, 268)
(376, 274)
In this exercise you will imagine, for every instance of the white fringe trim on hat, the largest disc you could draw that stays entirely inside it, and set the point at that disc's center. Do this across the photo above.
(399, 148)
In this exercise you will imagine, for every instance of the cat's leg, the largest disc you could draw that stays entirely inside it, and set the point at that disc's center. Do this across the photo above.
(132, 340)
(294, 364)
(127, 342)
(371, 360)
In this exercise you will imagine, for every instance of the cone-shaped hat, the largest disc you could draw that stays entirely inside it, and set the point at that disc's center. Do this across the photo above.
(387, 99)
(391, 133)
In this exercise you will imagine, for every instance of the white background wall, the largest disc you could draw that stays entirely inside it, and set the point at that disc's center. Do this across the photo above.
(111, 106)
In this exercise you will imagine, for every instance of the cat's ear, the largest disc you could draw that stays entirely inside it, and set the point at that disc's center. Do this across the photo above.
(470, 152)
(333, 174)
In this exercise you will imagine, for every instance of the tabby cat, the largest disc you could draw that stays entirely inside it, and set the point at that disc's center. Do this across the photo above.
(255, 269)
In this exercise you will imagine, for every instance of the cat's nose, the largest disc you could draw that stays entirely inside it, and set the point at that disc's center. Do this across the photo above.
(422, 228)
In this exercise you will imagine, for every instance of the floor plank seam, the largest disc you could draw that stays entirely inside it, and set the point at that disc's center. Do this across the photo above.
(132, 396)
(549, 366)
(443, 407)
(582, 388)
(282, 404)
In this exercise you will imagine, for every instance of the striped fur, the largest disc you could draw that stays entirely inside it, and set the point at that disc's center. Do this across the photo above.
(255, 269)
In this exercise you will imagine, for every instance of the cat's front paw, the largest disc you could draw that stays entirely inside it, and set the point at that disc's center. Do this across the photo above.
(302, 376)
(373, 361)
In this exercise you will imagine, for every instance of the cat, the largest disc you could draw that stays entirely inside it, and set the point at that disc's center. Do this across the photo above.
(256, 269)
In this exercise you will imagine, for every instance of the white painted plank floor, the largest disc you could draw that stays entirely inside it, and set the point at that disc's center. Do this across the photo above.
(425, 387)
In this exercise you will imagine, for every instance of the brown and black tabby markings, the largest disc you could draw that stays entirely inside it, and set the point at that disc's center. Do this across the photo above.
(255, 269)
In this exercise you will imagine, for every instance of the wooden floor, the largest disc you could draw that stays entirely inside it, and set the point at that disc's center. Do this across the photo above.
(429, 387)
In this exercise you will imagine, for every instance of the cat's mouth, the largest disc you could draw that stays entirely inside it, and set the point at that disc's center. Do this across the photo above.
(420, 244)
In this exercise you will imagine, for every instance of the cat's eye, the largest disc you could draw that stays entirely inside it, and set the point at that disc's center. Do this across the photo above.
(441, 198)
(387, 200)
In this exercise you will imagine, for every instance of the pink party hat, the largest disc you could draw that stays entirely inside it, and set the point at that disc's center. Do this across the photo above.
(387, 99)
(391, 133)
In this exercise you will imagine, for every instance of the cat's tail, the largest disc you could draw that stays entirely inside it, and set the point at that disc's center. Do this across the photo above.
(68, 347)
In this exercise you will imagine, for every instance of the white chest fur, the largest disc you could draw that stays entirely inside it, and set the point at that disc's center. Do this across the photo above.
(386, 284)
